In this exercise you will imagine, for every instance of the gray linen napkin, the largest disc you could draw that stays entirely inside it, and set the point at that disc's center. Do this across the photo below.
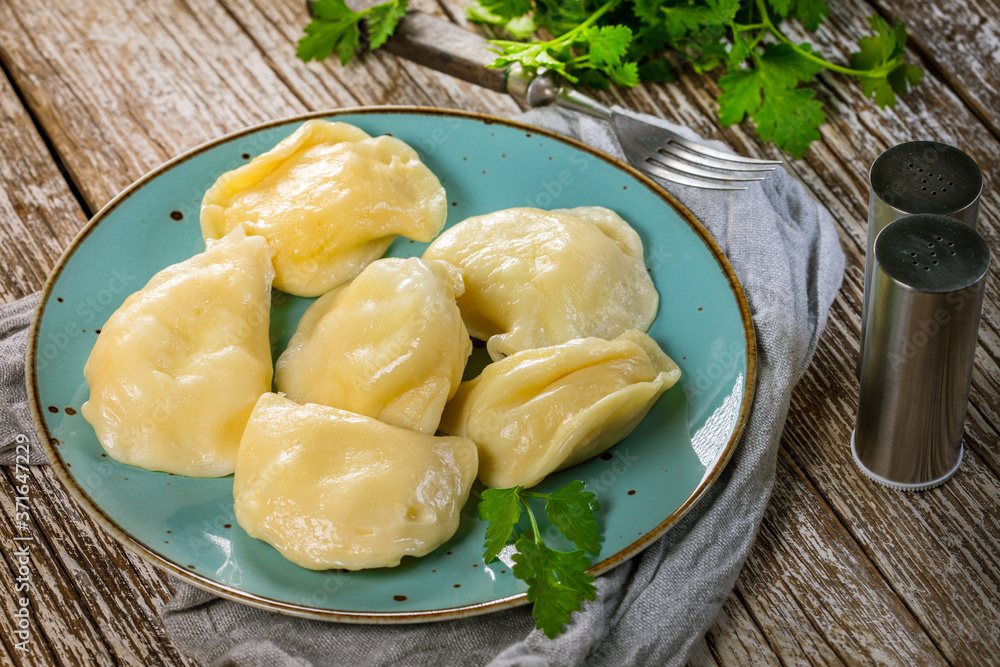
(657, 606)
(14, 418)
(653, 609)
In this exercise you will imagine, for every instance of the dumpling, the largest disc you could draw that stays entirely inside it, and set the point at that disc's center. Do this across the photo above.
(329, 488)
(390, 344)
(542, 410)
(177, 369)
(535, 278)
(329, 199)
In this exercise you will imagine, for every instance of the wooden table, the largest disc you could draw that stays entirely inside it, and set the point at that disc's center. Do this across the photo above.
(94, 94)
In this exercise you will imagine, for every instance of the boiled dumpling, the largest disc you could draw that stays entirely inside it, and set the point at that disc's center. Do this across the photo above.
(391, 345)
(329, 199)
(535, 278)
(177, 369)
(329, 488)
(542, 410)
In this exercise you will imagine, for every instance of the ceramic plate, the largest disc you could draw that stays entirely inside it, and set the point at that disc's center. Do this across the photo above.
(645, 484)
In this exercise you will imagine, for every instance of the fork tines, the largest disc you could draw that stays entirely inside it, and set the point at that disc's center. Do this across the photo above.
(667, 155)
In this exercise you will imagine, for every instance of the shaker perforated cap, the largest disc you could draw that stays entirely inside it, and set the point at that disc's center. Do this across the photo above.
(916, 368)
(926, 177)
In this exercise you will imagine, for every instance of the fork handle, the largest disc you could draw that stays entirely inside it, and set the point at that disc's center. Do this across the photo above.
(446, 47)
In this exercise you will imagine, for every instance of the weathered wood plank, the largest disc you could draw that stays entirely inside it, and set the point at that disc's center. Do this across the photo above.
(961, 41)
(58, 622)
(38, 213)
(735, 638)
(933, 547)
(841, 609)
(93, 600)
(38, 217)
(124, 597)
(374, 78)
(206, 76)
(120, 92)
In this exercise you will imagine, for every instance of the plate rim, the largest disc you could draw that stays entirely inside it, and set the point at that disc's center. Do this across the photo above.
(124, 538)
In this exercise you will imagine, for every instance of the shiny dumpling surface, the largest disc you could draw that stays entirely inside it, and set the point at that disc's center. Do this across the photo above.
(391, 344)
(178, 367)
(535, 278)
(329, 199)
(329, 488)
(542, 410)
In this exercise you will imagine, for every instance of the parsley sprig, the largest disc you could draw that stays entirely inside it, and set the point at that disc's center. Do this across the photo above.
(765, 73)
(558, 582)
(336, 27)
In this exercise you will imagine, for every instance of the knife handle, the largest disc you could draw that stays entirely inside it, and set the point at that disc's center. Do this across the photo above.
(446, 47)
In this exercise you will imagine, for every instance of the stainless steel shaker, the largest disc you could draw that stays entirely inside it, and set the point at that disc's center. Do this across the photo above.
(928, 279)
(918, 177)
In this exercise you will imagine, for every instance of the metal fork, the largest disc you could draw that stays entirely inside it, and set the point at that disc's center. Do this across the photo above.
(649, 148)
(448, 48)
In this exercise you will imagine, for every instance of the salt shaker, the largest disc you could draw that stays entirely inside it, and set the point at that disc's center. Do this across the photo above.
(925, 303)
(918, 177)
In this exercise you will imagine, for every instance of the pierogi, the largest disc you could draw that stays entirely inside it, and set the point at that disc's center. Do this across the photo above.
(329, 199)
(329, 488)
(538, 411)
(177, 368)
(390, 344)
(535, 278)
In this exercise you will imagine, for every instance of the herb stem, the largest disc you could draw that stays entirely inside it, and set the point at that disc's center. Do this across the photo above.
(534, 524)
(865, 74)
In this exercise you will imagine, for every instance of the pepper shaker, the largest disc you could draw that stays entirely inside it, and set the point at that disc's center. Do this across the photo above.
(929, 274)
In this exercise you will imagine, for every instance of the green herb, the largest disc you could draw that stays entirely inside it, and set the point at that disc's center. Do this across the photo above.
(558, 582)
(765, 73)
(336, 27)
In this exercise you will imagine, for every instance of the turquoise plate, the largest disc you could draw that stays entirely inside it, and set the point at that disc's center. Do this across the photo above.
(645, 484)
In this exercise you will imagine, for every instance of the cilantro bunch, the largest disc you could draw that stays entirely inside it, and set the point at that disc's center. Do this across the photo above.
(558, 582)
(594, 42)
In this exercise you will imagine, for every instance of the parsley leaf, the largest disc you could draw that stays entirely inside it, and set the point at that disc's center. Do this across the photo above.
(741, 95)
(884, 74)
(557, 583)
(382, 20)
(608, 45)
(334, 27)
(785, 114)
(790, 117)
(502, 509)
(507, 9)
(571, 510)
(811, 13)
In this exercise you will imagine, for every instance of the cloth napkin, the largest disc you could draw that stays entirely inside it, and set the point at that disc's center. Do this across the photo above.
(654, 608)
(15, 421)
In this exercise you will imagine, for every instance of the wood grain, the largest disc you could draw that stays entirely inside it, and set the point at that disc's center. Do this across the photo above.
(780, 594)
(91, 600)
(38, 213)
(960, 41)
(735, 639)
